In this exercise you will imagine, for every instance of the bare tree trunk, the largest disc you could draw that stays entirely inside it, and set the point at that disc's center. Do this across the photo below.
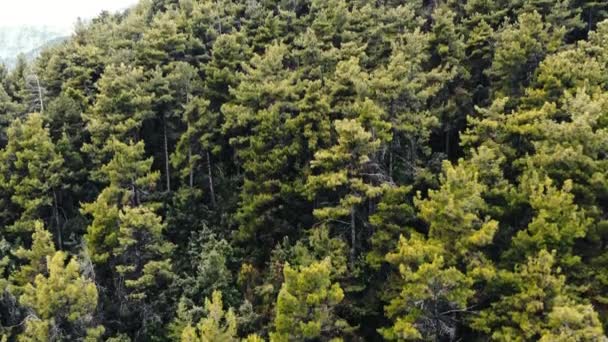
(390, 164)
(135, 200)
(211, 191)
(166, 145)
(413, 154)
(191, 180)
(40, 94)
(191, 176)
(35, 88)
(447, 143)
(57, 222)
(353, 237)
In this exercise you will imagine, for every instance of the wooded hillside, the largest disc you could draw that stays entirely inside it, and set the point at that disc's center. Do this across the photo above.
(310, 170)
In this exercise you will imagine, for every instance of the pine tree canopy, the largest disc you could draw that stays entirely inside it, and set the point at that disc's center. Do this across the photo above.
(309, 170)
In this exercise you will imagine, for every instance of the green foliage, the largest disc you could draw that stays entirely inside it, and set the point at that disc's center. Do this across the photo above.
(42, 247)
(520, 48)
(121, 107)
(392, 218)
(30, 175)
(142, 253)
(348, 170)
(129, 177)
(455, 211)
(305, 304)
(336, 169)
(208, 269)
(262, 140)
(557, 222)
(569, 321)
(431, 293)
(217, 325)
(538, 306)
(61, 300)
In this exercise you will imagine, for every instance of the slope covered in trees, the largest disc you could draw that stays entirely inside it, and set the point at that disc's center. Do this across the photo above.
(321, 170)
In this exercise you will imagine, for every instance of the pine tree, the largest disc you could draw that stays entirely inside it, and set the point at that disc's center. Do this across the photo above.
(305, 304)
(221, 73)
(197, 144)
(141, 259)
(31, 175)
(557, 222)
(9, 110)
(520, 48)
(163, 41)
(257, 124)
(129, 178)
(393, 217)
(404, 87)
(534, 305)
(348, 170)
(492, 12)
(452, 101)
(63, 302)
(431, 294)
(121, 107)
(557, 13)
(84, 64)
(479, 53)
(184, 158)
(593, 12)
(293, 131)
(42, 247)
(208, 268)
(126, 239)
(569, 321)
(217, 325)
(455, 213)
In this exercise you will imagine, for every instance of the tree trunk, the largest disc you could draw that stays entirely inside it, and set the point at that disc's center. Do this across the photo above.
(413, 154)
(57, 222)
(211, 191)
(135, 200)
(39, 90)
(191, 180)
(40, 95)
(390, 162)
(447, 143)
(353, 237)
(166, 145)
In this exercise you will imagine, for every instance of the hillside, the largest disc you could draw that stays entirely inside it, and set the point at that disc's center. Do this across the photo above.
(309, 170)
(26, 40)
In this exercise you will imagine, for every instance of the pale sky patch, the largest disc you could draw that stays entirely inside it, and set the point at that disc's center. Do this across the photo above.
(56, 13)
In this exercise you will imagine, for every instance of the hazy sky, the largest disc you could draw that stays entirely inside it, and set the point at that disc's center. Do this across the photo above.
(60, 13)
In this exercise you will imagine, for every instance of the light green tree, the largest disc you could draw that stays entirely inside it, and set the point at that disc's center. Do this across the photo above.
(42, 246)
(126, 238)
(456, 215)
(63, 302)
(431, 292)
(536, 304)
(121, 106)
(557, 221)
(30, 177)
(217, 325)
(129, 177)
(520, 48)
(349, 171)
(305, 305)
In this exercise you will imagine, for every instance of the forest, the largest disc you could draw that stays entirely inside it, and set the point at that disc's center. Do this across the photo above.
(310, 170)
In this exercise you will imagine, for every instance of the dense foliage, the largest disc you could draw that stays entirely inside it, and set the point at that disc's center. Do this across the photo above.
(322, 170)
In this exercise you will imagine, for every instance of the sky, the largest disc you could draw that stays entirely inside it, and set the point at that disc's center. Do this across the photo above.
(56, 13)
